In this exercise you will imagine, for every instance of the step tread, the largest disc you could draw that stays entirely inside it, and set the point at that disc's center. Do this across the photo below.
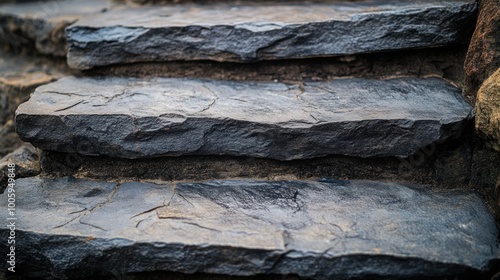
(322, 229)
(260, 32)
(141, 118)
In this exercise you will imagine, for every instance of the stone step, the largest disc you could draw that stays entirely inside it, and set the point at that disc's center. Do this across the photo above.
(326, 229)
(41, 24)
(251, 32)
(144, 118)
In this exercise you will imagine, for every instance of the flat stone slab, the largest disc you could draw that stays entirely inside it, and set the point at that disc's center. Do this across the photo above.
(326, 229)
(145, 118)
(261, 32)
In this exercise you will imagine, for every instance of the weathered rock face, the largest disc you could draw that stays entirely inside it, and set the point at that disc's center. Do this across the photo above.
(26, 159)
(141, 118)
(69, 228)
(257, 32)
(19, 76)
(41, 24)
(488, 109)
(9, 140)
(483, 57)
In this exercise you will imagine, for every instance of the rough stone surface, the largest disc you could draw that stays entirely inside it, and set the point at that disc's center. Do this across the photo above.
(257, 32)
(465, 163)
(9, 140)
(140, 118)
(41, 25)
(488, 110)
(483, 57)
(20, 75)
(329, 229)
(26, 158)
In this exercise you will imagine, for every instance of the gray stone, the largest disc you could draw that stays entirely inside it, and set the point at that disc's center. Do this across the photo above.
(260, 32)
(42, 23)
(27, 161)
(143, 118)
(327, 229)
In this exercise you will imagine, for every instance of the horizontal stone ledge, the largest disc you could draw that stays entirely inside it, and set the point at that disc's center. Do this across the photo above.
(144, 118)
(252, 32)
(327, 229)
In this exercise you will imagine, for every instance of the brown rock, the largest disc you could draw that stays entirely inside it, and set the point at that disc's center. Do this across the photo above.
(20, 75)
(483, 56)
(9, 140)
(488, 110)
(26, 160)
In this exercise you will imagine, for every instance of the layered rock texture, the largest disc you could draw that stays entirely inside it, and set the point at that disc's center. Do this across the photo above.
(140, 118)
(483, 58)
(318, 229)
(19, 76)
(266, 139)
(488, 109)
(256, 32)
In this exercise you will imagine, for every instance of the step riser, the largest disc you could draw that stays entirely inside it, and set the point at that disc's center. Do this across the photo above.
(361, 139)
(250, 33)
(446, 62)
(436, 165)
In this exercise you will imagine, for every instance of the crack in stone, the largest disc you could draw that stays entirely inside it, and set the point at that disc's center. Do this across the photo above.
(184, 198)
(65, 93)
(166, 203)
(285, 238)
(200, 226)
(62, 225)
(317, 121)
(148, 211)
(91, 225)
(172, 196)
(116, 96)
(99, 205)
(139, 222)
(69, 107)
(76, 212)
(213, 102)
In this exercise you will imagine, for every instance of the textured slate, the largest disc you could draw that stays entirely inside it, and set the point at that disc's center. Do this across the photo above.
(259, 32)
(136, 118)
(42, 23)
(328, 229)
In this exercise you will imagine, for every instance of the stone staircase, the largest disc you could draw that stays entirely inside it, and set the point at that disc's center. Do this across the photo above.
(269, 140)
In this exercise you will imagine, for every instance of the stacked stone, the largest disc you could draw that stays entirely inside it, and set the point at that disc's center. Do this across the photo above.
(237, 138)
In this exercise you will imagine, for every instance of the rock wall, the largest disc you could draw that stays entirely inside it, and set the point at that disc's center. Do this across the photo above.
(483, 56)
